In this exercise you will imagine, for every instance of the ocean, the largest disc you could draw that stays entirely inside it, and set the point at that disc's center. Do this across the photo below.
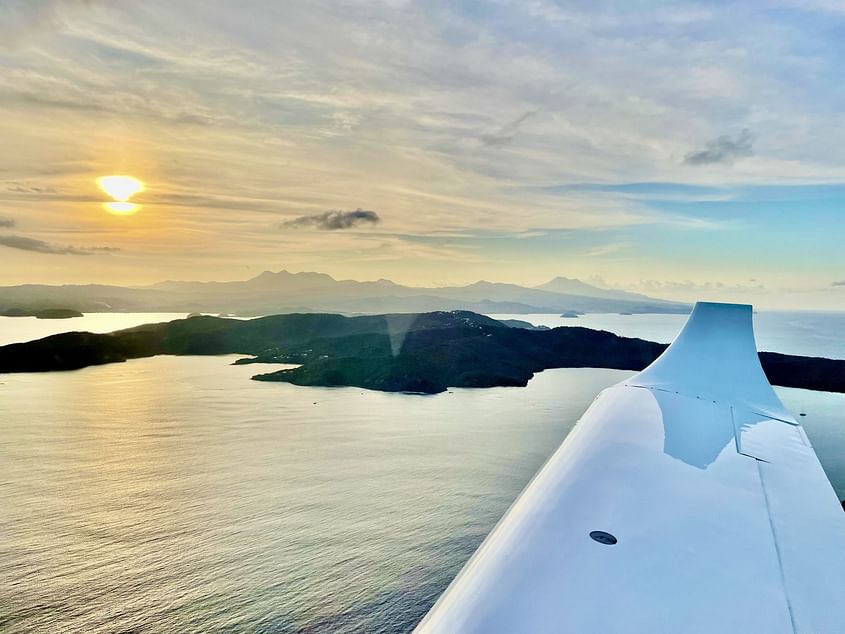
(812, 334)
(174, 494)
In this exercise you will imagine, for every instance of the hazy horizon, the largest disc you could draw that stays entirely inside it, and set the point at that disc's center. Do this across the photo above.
(674, 152)
(682, 292)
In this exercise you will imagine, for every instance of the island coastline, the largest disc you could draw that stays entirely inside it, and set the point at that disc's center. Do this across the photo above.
(415, 353)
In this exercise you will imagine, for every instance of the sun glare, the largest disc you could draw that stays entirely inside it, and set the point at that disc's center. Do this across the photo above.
(121, 208)
(121, 189)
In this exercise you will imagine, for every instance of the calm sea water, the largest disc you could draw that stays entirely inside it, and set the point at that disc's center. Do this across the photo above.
(16, 329)
(173, 494)
(813, 334)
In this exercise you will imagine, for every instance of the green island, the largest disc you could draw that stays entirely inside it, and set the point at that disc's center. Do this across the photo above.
(425, 352)
(42, 313)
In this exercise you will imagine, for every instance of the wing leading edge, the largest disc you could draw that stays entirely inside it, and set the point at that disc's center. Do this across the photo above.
(724, 519)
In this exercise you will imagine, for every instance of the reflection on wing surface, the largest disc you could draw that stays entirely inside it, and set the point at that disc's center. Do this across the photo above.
(723, 518)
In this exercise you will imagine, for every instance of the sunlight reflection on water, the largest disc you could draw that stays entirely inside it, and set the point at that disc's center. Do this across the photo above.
(175, 495)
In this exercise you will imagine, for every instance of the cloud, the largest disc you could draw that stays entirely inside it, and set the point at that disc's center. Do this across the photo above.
(18, 188)
(7, 223)
(116, 103)
(39, 246)
(22, 19)
(333, 220)
(426, 114)
(723, 149)
(839, 283)
(506, 133)
(657, 286)
(605, 249)
(100, 249)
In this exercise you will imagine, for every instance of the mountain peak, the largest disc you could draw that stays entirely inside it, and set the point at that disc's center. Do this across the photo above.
(562, 284)
(574, 286)
(284, 274)
(270, 274)
(284, 281)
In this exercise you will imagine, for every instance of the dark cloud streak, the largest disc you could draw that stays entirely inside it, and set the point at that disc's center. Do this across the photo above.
(39, 246)
(506, 133)
(18, 188)
(334, 220)
(723, 149)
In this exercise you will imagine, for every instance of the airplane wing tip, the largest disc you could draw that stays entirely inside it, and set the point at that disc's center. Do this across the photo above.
(715, 357)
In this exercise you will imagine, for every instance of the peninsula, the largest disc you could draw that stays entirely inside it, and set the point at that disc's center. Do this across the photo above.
(43, 313)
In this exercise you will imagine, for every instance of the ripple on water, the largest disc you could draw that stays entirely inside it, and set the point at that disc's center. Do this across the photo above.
(176, 495)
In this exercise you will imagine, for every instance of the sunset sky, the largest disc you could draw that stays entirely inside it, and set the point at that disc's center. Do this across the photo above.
(686, 150)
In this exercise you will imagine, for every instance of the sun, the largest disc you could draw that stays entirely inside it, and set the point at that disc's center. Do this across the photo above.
(121, 188)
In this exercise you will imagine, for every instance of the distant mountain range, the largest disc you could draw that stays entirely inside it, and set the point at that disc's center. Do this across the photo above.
(284, 292)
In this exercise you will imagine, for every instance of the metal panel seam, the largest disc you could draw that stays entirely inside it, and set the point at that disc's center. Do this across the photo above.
(777, 547)
(707, 398)
(737, 436)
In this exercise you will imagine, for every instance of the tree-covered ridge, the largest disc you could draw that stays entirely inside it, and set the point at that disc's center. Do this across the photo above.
(426, 352)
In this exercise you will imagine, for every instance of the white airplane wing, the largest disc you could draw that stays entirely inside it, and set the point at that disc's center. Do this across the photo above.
(687, 499)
